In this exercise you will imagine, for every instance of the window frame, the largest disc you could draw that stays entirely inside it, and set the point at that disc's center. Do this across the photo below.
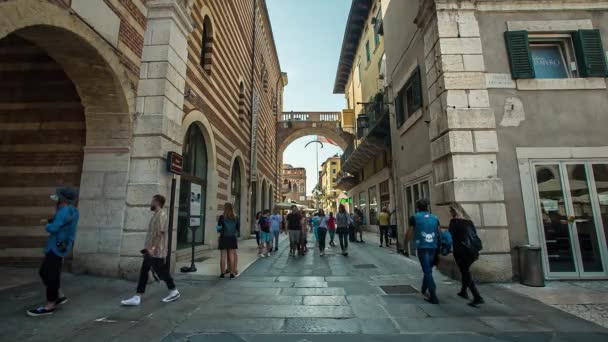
(564, 42)
(403, 109)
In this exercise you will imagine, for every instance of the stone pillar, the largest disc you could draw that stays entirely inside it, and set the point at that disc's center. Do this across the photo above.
(157, 128)
(463, 131)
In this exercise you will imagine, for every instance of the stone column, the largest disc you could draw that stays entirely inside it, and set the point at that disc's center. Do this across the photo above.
(157, 128)
(463, 131)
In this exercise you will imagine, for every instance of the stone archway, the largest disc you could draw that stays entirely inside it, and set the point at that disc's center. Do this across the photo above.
(238, 161)
(106, 97)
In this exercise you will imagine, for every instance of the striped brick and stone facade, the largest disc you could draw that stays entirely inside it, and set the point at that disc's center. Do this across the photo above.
(94, 93)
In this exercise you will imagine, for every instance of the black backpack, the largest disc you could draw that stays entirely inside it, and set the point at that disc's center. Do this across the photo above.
(471, 241)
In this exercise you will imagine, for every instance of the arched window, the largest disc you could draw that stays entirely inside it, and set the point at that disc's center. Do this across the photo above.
(270, 197)
(236, 187)
(207, 45)
(242, 104)
(193, 189)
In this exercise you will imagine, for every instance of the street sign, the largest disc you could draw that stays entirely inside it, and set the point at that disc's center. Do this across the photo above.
(175, 163)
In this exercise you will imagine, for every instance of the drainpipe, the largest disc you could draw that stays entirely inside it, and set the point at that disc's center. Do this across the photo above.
(253, 37)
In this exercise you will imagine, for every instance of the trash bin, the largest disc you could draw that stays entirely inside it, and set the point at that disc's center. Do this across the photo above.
(530, 266)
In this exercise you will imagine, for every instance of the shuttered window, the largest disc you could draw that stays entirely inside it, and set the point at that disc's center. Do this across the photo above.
(409, 98)
(538, 55)
(520, 59)
(590, 53)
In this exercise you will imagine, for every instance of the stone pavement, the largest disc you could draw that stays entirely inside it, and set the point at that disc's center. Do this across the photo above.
(368, 296)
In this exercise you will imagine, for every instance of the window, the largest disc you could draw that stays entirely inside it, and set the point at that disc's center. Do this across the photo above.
(373, 206)
(242, 102)
(409, 98)
(368, 54)
(359, 71)
(385, 195)
(334, 171)
(377, 28)
(236, 187)
(414, 192)
(567, 55)
(206, 45)
(334, 163)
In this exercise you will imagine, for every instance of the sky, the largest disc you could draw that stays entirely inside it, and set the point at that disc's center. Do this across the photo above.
(308, 35)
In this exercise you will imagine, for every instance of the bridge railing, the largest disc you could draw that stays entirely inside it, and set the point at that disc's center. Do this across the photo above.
(310, 116)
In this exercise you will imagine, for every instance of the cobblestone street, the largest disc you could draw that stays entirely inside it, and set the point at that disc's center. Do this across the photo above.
(368, 296)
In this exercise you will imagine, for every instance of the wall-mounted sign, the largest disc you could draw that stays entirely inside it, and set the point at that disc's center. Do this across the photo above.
(195, 199)
(175, 163)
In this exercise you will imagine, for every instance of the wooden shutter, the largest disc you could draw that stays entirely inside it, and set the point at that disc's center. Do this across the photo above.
(589, 53)
(417, 91)
(520, 58)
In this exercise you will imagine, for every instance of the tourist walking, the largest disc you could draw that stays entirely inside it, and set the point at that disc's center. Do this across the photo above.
(331, 229)
(343, 221)
(256, 227)
(62, 233)
(315, 226)
(228, 226)
(322, 231)
(467, 246)
(359, 222)
(294, 227)
(276, 221)
(393, 229)
(424, 229)
(155, 254)
(352, 227)
(383, 222)
(265, 245)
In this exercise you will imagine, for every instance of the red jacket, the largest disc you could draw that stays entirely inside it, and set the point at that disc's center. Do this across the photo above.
(331, 223)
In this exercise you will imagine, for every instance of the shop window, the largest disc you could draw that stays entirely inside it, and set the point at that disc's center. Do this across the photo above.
(373, 206)
(414, 192)
(193, 187)
(409, 98)
(385, 195)
(569, 55)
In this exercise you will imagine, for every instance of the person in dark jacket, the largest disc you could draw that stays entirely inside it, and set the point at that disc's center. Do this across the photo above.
(462, 228)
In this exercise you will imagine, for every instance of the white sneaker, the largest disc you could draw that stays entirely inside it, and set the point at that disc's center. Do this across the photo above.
(322, 254)
(173, 295)
(133, 301)
(261, 255)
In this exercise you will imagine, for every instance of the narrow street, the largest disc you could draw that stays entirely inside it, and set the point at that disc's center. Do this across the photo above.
(368, 296)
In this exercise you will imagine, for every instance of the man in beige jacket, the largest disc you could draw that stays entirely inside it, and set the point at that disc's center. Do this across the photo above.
(155, 253)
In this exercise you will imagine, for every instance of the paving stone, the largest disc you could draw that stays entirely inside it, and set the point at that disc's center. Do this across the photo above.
(236, 325)
(228, 299)
(310, 284)
(325, 300)
(442, 325)
(259, 284)
(278, 311)
(528, 324)
(328, 291)
(301, 279)
(322, 325)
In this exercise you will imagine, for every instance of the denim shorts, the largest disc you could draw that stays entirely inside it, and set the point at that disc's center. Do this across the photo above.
(265, 237)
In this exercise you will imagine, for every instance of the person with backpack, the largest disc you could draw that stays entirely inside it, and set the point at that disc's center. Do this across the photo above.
(424, 229)
(228, 227)
(62, 233)
(322, 231)
(265, 245)
(467, 246)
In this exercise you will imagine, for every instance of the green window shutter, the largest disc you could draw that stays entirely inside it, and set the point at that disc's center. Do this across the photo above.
(417, 103)
(589, 53)
(520, 57)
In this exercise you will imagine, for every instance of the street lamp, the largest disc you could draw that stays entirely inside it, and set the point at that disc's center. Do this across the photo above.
(317, 154)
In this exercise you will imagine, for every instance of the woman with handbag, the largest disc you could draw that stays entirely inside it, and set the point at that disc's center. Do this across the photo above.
(466, 251)
(228, 228)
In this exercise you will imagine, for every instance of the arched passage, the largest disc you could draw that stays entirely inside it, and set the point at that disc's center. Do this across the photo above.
(238, 188)
(66, 100)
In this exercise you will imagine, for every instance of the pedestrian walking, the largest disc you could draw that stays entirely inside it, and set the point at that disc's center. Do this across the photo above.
(294, 226)
(384, 221)
(62, 234)
(467, 246)
(154, 255)
(228, 227)
(343, 221)
(315, 226)
(304, 236)
(331, 229)
(352, 227)
(256, 227)
(322, 231)
(265, 245)
(276, 221)
(424, 229)
(393, 229)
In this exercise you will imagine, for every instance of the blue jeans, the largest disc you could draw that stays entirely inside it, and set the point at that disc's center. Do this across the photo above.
(426, 257)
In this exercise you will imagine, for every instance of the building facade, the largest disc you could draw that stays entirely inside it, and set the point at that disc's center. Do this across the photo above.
(96, 92)
(498, 105)
(365, 166)
(294, 184)
(330, 196)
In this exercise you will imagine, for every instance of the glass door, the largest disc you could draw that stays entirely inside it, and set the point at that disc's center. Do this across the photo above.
(572, 227)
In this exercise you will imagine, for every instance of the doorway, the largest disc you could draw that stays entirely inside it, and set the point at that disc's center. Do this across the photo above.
(572, 215)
